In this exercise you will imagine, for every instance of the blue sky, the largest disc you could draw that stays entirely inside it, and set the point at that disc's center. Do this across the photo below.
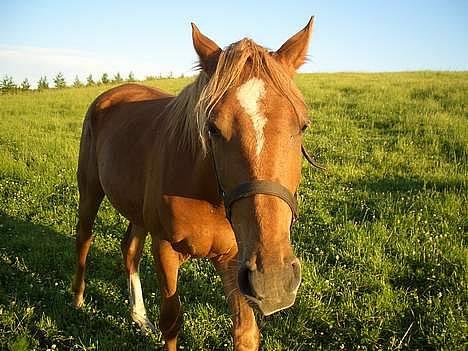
(148, 38)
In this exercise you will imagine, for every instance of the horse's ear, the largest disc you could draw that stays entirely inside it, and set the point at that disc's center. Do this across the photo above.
(208, 51)
(292, 54)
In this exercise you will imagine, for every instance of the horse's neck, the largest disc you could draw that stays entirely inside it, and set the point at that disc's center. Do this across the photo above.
(206, 179)
(186, 174)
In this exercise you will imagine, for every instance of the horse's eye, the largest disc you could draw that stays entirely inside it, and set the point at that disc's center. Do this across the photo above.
(304, 127)
(213, 130)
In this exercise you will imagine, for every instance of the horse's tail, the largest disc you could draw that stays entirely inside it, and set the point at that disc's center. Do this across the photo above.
(87, 170)
(91, 195)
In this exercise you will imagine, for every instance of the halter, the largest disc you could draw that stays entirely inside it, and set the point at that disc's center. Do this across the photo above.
(264, 187)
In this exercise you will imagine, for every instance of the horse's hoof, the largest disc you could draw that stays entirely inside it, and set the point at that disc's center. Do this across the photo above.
(144, 323)
(78, 301)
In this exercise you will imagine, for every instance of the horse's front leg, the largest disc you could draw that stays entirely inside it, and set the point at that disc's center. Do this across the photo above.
(244, 329)
(167, 262)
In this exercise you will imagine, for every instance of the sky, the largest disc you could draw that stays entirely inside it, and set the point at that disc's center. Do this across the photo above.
(153, 37)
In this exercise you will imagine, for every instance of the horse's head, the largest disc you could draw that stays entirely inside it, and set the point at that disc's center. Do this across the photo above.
(255, 118)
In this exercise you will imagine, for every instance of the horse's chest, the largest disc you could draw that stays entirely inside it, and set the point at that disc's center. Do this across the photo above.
(196, 228)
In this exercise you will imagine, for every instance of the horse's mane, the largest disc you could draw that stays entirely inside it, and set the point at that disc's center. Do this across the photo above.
(188, 113)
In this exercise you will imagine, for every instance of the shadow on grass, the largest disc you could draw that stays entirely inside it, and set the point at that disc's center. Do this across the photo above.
(37, 264)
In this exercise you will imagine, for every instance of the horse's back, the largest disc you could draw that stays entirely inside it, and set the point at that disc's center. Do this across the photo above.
(127, 93)
(117, 136)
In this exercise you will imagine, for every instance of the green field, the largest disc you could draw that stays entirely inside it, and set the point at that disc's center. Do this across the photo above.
(382, 234)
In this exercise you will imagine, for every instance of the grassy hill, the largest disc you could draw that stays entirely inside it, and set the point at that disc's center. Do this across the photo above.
(382, 234)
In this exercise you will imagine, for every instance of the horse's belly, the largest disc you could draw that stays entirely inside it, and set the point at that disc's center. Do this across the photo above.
(130, 208)
(122, 181)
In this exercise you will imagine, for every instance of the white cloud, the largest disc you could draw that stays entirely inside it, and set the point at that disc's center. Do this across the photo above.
(33, 62)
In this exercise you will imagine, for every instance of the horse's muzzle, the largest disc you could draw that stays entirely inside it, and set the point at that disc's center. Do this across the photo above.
(272, 289)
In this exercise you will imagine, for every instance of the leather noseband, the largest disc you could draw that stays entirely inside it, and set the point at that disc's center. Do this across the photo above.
(265, 187)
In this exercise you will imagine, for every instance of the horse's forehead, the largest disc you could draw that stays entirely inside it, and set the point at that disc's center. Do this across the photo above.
(250, 94)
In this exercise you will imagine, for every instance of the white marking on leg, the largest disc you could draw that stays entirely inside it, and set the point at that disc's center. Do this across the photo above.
(136, 295)
(249, 95)
(137, 303)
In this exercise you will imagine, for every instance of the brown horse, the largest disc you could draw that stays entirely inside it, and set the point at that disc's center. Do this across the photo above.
(208, 173)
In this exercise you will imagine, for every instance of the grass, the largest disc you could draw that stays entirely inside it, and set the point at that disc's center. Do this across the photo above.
(382, 234)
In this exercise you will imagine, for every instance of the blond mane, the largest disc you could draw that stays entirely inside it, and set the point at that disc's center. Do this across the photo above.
(188, 113)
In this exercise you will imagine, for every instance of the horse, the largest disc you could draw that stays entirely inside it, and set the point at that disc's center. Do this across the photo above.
(212, 172)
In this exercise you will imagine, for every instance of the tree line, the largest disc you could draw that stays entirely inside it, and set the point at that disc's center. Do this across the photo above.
(7, 84)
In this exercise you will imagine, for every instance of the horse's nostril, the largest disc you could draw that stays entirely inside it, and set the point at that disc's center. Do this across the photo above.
(296, 266)
(295, 276)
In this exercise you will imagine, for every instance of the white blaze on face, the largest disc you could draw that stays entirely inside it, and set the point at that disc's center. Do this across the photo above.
(249, 95)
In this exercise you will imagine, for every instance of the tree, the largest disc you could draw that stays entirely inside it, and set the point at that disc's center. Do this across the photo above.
(77, 82)
(42, 83)
(89, 81)
(25, 84)
(59, 81)
(105, 78)
(7, 85)
(118, 78)
(131, 77)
